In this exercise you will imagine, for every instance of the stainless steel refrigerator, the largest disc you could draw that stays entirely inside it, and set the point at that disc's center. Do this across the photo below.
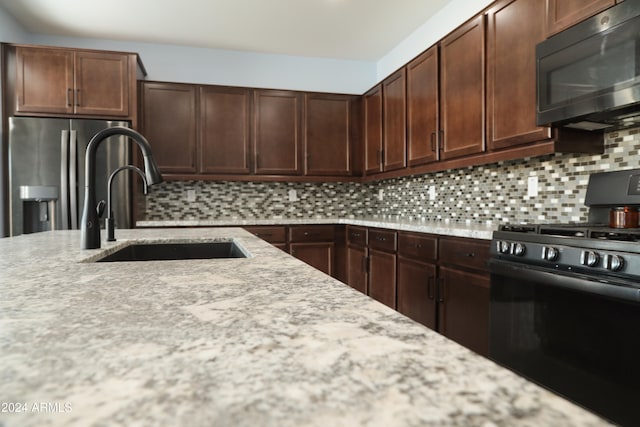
(46, 172)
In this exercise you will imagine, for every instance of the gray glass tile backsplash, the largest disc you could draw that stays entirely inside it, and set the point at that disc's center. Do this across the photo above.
(495, 193)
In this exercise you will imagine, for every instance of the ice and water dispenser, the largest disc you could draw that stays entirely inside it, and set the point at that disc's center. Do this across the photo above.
(38, 207)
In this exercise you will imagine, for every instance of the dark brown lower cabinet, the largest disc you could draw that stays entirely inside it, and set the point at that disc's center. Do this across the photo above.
(315, 245)
(382, 277)
(417, 291)
(464, 308)
(317, 254)
(357, 276)
(463, 294)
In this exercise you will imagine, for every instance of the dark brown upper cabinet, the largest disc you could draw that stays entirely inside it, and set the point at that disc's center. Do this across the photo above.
(394, 125)
(423, 108)
(276, 132)
(327, 134)
(169, 123)
(462, 62)
(373, 130)
(73, 82)
(562, 14)
(511, 73)
(225, 123)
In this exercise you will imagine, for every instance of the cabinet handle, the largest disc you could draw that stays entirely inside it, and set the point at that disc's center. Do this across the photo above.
(380, 156)
(69, 95)
(441, 146)
(382, 239)
(433, 141)
(418, 246)
(470, 254)
(355, 234)
(257, 161)
(430, 281)
(311, 233)
(440, 286)
(77, 97)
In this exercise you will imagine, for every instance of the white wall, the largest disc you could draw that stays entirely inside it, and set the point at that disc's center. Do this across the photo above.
(233, 68)
(442, 23)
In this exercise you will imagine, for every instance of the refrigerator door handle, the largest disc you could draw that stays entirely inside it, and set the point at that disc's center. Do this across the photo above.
(73, 178)
(64, 178)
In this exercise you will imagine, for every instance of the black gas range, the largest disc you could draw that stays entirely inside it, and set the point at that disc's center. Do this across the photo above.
(591, 249)
(565, 301)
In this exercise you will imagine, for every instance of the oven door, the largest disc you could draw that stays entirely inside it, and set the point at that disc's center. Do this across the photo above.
(576, 336)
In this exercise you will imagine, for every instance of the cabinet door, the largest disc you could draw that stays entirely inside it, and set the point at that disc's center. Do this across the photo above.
(44, 81)
(318, 255)
(357, 268)
(101, 84)
(394, 109)
(373, 130)
(224, 130)
(276, 135)
(382, 277)
(416, 291)
(511, 73)
(327, 136)
(169, 123)
(464, 308)
(562, 14)
(462, 86)
(423, 108)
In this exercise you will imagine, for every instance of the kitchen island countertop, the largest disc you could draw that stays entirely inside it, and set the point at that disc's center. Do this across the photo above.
(261, 341)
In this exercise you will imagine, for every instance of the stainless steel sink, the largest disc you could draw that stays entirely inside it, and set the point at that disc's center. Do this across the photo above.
(175, 251)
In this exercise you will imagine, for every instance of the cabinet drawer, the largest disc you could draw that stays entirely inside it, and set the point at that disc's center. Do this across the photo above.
(384, 240)
(417, 246)
(271, 234)
(470, 253)
(356, 236)
(313, 233)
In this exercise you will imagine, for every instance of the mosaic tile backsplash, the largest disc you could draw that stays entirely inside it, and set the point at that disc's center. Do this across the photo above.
(495, 193)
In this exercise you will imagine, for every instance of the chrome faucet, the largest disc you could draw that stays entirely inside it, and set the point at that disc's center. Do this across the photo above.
(109, 222)
(90, 227)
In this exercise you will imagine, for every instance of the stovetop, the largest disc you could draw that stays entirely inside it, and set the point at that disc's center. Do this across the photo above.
(578, 230)
(592, 249)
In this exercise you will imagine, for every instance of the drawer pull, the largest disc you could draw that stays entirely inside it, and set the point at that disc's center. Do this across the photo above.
(382, 239)
(355, 234)
(309, 233)
(470, 254)
(418, 246)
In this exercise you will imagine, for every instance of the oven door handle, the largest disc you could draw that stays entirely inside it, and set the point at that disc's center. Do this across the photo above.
(560, 280)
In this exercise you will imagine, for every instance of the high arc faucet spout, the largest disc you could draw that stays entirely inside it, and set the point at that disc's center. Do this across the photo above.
(110, 222)
(90, 226)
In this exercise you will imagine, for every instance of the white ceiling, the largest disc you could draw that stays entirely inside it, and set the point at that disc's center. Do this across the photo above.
(362, 30)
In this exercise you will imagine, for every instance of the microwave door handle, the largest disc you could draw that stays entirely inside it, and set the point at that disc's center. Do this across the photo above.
(73, 178)
(64, 178)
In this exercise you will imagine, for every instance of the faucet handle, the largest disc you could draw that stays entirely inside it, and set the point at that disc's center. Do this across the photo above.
(100, 208)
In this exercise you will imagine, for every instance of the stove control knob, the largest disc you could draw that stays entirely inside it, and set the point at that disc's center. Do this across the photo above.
(504, 247)
(589, 258)
(549, 253)
(519, 249)
(613, 262)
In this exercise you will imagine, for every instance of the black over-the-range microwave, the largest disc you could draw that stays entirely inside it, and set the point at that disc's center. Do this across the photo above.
(589, 74)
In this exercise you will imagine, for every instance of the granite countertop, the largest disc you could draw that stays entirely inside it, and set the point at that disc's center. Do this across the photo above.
(447, 228)
(261, 341)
